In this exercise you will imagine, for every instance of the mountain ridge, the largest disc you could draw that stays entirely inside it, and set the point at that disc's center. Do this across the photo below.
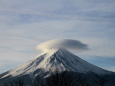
(60, 59)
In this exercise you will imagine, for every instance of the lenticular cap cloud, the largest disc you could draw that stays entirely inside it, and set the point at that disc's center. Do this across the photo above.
(62, 43)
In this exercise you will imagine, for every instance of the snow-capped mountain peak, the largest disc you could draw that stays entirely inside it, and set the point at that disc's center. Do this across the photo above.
(55, 60)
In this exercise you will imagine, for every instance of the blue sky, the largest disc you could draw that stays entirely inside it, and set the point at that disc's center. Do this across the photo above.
(26, 23)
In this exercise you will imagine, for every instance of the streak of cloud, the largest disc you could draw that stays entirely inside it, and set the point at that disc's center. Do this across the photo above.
(54, 15)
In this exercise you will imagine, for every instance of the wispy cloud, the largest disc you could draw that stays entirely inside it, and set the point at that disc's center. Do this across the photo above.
(74, 10)
(25, 24)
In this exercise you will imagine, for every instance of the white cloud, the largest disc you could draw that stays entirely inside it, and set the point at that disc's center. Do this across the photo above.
(62, 43)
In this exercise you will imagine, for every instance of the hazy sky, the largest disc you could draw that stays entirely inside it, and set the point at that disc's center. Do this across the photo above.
(26, 23)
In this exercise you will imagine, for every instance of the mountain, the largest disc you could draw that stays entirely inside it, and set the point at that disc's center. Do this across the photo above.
(55, 60)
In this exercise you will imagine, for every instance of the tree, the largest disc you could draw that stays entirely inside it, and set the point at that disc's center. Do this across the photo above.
(5, 84)
(38, 81)
(14, 83)
(19, 82)
(101, 80)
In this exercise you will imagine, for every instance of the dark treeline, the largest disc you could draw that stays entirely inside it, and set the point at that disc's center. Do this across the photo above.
(69, 79)
(64, 79)
(14, 83)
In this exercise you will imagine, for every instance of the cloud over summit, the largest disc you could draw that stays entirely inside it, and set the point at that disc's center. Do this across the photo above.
(62, 43)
